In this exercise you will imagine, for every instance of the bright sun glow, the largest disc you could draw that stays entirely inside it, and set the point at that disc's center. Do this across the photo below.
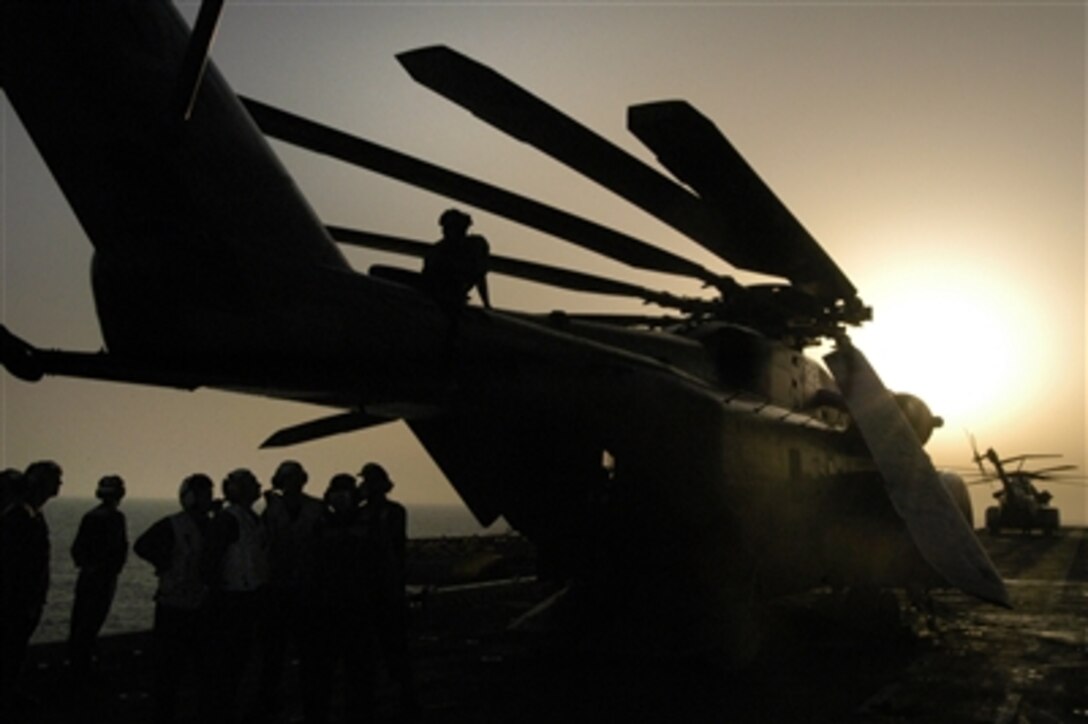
(956, 342)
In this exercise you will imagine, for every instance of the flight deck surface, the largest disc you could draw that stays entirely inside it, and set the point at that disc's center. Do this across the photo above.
(973, 662)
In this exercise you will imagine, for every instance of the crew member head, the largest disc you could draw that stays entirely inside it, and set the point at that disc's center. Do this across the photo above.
(11, 487)
(289, 477)
(341, 495)
(195, 493)
(111, 488)
(376, 482)
(454, 223)
(42, 481)
(240, 487)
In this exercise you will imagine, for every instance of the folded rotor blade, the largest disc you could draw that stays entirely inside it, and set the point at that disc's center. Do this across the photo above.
(932, 518)
(196, 57)
(521, 269)
(512, 109)
(315, 137)
(322, 427)
(757, 231)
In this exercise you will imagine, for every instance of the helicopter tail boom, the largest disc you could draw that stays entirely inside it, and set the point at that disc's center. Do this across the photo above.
(182, 213)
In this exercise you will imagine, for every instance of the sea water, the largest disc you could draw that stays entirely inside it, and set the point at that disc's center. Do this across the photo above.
(133, 605)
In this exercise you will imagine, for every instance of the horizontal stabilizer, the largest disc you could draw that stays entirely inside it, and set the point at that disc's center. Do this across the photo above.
(323, 427)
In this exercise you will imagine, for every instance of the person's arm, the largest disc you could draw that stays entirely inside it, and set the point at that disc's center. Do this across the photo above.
(156, 545)
(83, 544)
(483, 254)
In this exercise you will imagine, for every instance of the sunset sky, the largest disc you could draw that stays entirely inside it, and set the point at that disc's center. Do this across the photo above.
(937, 152)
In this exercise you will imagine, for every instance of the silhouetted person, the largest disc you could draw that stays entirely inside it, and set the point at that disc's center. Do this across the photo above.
(340, 576)
(11, 488)
(24, 572)
(237, 570)
(386, 522)
(456, 263)
(175, 547)
(99, 552)
(291, 519)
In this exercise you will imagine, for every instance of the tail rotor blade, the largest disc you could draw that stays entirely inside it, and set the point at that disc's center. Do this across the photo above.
(933, 521)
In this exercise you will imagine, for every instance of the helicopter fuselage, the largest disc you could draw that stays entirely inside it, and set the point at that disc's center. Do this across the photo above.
(691, 470)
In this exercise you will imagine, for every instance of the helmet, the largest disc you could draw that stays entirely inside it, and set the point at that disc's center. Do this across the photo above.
(287, 471)
(342, 483)
(237, 481)
(11, 485)
(191, 487)
(454, 219)
(110, 486)
(375, 478)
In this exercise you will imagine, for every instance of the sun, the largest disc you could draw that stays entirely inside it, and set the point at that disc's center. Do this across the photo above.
(954, 340)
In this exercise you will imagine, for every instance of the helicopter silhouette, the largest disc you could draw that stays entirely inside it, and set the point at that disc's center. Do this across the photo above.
(1020, 504)
(742, 469)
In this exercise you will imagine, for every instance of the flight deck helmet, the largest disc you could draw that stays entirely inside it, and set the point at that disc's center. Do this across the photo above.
(193, 489)
(342, 494)
(241, 487)
(289, 473)
(110, 487)
(375, 479)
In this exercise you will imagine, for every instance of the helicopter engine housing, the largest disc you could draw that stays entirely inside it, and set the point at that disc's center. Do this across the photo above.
(918, 414)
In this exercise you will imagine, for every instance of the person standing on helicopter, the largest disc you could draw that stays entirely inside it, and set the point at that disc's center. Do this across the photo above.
(457, 263)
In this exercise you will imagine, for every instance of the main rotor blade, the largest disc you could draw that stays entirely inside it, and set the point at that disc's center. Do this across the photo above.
(510, 108)
(934, 522)
(1053, 469)
(1078, 482)
(1029, 456)
(757, 231)
(521, 269)
(318, 138)
(196, 57)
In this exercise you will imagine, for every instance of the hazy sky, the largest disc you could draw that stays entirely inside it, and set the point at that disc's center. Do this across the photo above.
(936, 151)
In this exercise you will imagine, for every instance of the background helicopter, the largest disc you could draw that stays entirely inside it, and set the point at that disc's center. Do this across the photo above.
(1020, 504)
(736, 464)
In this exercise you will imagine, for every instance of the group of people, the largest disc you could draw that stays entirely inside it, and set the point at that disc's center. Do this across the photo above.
(239, 592)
